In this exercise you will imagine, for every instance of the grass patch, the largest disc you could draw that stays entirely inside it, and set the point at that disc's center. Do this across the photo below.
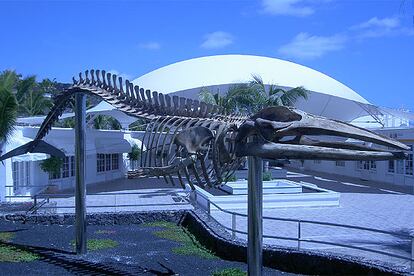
(189, 244)
(10, 253)
(98, 244)
(194, 250)
(6, 236)
(230, 272)
(163, 224)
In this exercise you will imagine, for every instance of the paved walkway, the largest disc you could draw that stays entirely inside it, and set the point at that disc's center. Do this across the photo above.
(124, 201)
(346, 184)
(367, 205)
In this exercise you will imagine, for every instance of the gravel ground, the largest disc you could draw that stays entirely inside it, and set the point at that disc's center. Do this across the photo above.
(139, 252)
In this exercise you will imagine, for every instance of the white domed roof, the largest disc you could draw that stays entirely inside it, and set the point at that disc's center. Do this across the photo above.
(230, 69)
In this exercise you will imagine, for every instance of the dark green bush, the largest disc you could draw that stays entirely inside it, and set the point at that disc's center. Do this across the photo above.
(135, 153)
(267, 176)
(51, 165)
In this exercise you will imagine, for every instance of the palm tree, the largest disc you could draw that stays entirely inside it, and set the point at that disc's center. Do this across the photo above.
(258, 96)
(106, 122)
(35, 103)
(30, 95)
(8, 108)
(253, 96)
(228, 101)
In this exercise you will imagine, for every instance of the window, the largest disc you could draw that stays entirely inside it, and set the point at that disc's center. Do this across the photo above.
(409, 162)
(340, 163)
(317, 161)
(100, 162)
(20, 174)
(15, 168)
(107, 162)
(367, 165)
(400, 166)
(65, 167)
(115, 161)
(391, 166)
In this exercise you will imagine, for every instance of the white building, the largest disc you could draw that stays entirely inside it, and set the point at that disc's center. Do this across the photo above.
(328, 97)
(106, 159)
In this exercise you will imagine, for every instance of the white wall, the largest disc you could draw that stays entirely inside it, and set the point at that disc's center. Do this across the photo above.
(98, 141)
(380, 174)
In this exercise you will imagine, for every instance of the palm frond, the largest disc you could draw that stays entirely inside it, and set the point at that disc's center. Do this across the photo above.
(205, 95)
(24, 87)
(8, 79)
(8, 113)
(289, 97)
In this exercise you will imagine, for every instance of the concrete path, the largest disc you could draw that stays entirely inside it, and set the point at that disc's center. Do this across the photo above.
(124, 201)
(389, 212)
(346, 184)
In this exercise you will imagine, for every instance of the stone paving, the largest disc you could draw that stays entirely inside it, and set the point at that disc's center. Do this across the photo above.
(130, 200)
(388, 212)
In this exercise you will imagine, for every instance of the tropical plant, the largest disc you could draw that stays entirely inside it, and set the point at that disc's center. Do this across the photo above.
(259, 95)
(8, 79)
(106, 122)
(33, 98)
(51, 165)
(138, 125)
(253, 96)
(8, 112)
(35, 102)
(228, 101)
(267, 176)
(135, 153)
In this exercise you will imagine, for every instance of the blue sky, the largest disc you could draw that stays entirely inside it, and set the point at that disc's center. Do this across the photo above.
(367, 45)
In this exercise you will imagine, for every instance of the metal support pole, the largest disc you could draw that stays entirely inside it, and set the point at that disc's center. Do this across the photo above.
(35, 204)
(412, 255)
(255, 216)
(208, 209)
(299, 234)
(233, 225)
(80, 188)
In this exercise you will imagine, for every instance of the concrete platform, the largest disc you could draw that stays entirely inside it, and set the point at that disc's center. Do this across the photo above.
(316, 198)
(275, 171)
(276, 186)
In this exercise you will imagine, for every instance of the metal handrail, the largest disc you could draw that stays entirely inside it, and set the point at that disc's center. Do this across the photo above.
(121, 205)
(99, 194)
(312, 222)
(108, 193)
(299, 239)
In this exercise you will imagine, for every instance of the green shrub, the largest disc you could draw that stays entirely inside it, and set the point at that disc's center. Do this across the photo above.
(267, 176)
(135, 153)
(231, 178)
(51, 165)
(230, 272)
